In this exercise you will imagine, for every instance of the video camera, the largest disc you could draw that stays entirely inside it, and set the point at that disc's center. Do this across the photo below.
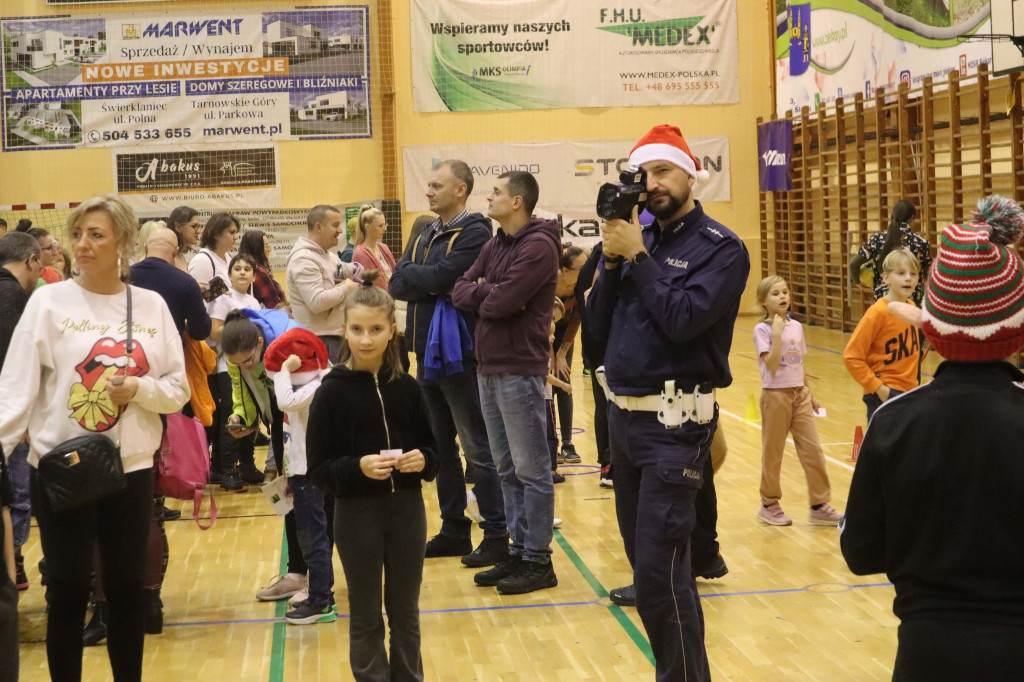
(616, 200)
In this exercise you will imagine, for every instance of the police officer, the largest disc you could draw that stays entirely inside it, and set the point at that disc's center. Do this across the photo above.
(666, 299)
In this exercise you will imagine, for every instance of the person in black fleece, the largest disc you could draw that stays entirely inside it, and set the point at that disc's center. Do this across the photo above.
(369, 444)
(936, 498)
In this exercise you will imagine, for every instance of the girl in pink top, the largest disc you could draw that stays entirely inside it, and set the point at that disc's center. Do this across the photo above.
(370, 251)
(787, 406)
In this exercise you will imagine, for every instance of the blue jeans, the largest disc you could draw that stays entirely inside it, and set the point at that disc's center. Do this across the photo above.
(873, 402)
(514, 410)
(454, 407)
(311, 527)
(21, 506)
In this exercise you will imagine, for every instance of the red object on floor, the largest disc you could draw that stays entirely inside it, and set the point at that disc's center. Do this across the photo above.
(858, 438)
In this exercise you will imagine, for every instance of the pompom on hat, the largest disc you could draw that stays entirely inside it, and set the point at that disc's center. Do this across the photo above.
(666, 143)
(974, 300)
(297, 341)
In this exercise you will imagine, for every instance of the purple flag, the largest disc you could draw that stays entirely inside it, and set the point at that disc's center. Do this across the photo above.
(775, 147)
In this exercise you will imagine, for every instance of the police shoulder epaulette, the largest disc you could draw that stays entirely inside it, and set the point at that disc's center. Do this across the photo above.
(712, 233)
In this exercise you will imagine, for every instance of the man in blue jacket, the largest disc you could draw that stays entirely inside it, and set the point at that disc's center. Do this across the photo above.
(511, 287)
(666, 299)
(440, 255)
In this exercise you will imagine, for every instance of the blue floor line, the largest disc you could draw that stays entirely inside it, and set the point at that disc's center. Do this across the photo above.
(513, 607)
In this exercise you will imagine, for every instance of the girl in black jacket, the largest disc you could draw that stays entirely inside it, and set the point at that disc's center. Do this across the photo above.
(369, 444)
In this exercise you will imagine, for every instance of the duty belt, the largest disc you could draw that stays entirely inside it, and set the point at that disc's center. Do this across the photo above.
(673, 407)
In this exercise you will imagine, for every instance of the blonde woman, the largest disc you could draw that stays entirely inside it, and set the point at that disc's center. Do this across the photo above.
(370, 251)
(74, 378)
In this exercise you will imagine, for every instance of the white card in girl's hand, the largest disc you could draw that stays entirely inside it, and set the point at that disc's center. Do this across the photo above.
(276, 492)
(821, 412)
(393, 454)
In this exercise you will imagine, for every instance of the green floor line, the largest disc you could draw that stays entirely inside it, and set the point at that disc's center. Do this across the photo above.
(277, 646)
(595, 584)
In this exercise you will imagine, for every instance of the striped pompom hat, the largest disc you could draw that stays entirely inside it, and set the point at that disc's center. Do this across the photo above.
(974, 300)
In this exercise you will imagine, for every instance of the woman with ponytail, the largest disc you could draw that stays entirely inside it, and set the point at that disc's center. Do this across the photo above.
(370, 251)
(878, 246)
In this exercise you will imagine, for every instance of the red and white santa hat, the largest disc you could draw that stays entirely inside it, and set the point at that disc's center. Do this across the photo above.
(666, 143)
(296, 341)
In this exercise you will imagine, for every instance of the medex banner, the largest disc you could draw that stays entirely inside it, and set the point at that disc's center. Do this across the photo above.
(775, 150)
(189, 78)
(569, 174)
(826, 49)
(474, 55)
(155, 181)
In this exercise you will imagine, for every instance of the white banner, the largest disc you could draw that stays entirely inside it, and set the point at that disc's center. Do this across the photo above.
(214, 77)
(828, 49)
(477, 55)
(569, 174)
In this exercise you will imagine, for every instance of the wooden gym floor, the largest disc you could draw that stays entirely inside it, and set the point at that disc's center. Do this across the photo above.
(788, 609)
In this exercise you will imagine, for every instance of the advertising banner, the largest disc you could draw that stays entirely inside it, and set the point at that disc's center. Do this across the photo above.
(775, 149)
(470, 55)
(569, 174)
(194, 79)
(826, 49)
(155, 181)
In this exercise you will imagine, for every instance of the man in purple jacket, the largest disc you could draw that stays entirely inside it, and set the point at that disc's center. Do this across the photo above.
(511, 288)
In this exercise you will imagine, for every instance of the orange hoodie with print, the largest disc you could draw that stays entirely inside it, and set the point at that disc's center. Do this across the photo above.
(883, 350)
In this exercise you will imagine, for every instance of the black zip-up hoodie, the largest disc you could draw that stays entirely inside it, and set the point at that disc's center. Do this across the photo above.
(356, 414)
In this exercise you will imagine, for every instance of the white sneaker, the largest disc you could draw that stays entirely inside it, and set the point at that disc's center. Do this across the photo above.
(557, 523)
(301, 595)
(473, 507)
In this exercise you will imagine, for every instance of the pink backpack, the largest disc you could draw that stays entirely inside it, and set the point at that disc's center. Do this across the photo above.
(183, 464)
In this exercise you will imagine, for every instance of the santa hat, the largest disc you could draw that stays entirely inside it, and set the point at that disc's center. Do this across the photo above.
(974, 300)
(301, 342)
(666, 143)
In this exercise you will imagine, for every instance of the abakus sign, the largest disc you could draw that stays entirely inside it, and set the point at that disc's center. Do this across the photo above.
(221, 178)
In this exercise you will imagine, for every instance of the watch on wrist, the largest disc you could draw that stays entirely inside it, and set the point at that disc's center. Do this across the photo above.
(640, 257)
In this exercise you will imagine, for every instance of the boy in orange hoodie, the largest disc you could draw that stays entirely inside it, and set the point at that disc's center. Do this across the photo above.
(883, 354)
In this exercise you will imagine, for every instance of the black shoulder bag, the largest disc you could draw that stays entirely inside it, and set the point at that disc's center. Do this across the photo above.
(84, 469)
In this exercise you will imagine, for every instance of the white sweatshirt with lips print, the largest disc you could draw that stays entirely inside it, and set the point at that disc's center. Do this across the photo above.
(68, 344)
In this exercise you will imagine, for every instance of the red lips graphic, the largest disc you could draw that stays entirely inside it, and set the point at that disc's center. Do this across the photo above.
(89, 402)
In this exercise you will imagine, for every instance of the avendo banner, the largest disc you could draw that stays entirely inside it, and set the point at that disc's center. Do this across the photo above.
(206, 78)
(569, 174)
(156, 181)
(775, 149)
(826, 49)
(473, 55)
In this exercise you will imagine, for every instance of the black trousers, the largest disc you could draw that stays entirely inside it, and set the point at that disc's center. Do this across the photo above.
(8, 630)
(119, 523)
(383, 537)
(955, 650)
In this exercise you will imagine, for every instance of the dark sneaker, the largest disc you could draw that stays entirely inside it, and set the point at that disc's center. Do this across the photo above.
(569, 454)
(606, 477)
(20, 577)
(171, 514)
(489, 552)
(623, 596)
(715, 569)
(251, 476)
(529, 577)
(306, 613)
(233, 483)
(557, 478)
(492, 576)
(444, 545)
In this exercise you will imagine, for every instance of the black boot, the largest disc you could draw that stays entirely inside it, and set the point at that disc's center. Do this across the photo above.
(96, 631)
(154, 612)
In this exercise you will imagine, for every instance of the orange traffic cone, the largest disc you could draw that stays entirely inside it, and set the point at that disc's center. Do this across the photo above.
(858, 438)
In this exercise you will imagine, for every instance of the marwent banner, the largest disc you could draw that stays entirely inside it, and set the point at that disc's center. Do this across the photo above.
(775, 149)
(827, 49)
(569, 174)
(155, 181)
(141, 79)
(473, 55)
